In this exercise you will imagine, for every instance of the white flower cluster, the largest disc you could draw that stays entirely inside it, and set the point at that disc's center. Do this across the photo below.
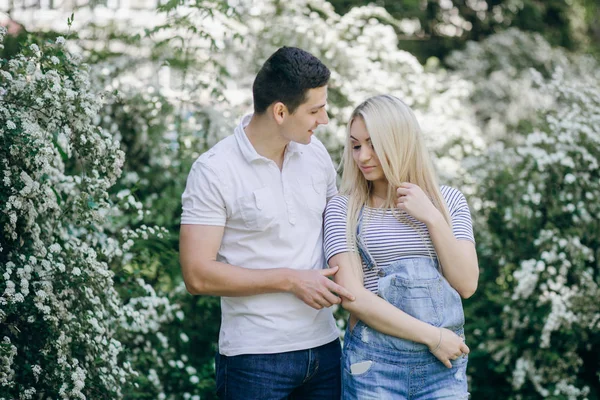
(547, 202)
(57, 285)
(525, 370)
(2, 34)
(364, 59)
(505, 92)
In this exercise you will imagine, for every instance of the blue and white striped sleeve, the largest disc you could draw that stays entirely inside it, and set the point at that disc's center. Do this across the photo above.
(462, 224)
(334, 240)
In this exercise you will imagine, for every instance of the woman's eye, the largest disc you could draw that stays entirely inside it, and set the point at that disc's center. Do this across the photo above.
(356, 147)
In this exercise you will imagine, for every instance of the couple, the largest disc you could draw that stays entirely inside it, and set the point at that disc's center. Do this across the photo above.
(261, 215)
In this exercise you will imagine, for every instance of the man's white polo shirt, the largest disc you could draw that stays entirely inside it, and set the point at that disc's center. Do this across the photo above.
(273, 219)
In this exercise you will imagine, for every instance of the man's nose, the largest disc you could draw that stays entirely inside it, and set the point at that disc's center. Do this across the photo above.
(323, 117)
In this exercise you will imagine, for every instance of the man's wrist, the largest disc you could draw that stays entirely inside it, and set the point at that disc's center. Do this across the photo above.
(288, 280)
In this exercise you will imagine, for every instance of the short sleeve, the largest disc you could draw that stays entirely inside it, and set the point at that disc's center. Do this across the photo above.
(331, 180)
(462, 224)
(202, 200)
(325, 159)
(334, 240)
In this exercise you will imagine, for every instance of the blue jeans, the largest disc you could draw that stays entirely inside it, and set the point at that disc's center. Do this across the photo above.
(379, 366)
(312, 374)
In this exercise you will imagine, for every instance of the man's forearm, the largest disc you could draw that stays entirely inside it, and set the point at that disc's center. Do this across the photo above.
(220, 279)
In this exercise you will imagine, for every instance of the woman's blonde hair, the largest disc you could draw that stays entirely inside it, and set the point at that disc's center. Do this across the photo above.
(397, 140)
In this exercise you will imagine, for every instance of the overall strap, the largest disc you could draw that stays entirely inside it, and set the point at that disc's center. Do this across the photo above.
(361, 245)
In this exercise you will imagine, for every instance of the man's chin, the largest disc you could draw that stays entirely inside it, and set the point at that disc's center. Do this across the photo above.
(304, 141)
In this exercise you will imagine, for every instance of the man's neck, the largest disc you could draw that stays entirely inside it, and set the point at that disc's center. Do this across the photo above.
(264, 137)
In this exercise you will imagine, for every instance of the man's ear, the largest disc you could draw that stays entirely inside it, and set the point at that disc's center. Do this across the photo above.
(279, 111)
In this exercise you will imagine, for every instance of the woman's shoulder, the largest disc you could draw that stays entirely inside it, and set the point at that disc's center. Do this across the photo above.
(453, 197)
(450, 191)
(338, 202)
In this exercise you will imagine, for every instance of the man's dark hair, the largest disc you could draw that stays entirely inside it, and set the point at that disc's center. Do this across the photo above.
(286, 77)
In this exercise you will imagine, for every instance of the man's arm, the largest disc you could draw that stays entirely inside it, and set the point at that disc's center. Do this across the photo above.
(203, 274)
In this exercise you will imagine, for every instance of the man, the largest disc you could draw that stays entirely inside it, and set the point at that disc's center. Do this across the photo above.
(252, 233)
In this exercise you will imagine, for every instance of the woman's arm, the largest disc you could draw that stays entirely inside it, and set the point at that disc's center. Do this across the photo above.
(457, 257)
(386, 318)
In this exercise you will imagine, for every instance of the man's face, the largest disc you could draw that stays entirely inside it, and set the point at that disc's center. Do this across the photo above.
(299, 126)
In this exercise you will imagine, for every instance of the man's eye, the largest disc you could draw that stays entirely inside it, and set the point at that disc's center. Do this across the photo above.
(314, 112)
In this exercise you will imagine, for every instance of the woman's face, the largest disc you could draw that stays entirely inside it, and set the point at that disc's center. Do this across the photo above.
(363, 152)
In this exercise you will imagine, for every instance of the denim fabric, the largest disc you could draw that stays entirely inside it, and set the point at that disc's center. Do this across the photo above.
(362, 247)
(379, 366)
(312, 374)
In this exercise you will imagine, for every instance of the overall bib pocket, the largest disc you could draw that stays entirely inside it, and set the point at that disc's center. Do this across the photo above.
(420, 298)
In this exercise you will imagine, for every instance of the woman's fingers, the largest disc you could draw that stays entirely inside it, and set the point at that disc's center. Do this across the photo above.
(451, 348)
(464, 348)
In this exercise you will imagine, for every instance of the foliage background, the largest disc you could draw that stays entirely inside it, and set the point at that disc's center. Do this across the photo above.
(508, 95)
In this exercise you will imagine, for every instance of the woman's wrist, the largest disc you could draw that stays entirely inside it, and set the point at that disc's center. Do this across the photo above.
(439, 343)
(434, 219)
(431, 337)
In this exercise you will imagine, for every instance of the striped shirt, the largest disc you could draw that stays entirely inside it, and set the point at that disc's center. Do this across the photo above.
(387, 239)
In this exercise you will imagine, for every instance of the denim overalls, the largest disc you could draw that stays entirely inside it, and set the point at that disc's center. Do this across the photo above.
(378, 366)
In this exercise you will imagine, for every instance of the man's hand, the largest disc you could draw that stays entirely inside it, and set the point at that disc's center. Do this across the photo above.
(315, 288)
(449, 347)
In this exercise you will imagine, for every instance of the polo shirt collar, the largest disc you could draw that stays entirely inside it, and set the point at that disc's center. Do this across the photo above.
(248, 151)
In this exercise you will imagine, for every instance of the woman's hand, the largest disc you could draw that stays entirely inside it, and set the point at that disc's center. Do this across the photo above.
(450, 347)
(415, 202)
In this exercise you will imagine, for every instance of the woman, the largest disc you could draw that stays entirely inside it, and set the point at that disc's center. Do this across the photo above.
(405, 249)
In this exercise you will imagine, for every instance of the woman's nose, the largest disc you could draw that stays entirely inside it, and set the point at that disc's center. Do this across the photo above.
(365, 153)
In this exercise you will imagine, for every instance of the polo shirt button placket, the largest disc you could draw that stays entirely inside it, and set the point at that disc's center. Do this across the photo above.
(289, 204)
(291, 212)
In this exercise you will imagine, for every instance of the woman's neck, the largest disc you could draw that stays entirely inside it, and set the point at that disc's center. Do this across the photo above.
(378, 195)
(379, 190)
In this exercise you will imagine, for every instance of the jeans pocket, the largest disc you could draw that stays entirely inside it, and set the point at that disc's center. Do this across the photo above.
(221, 375)
(356, 363)
(361, 367)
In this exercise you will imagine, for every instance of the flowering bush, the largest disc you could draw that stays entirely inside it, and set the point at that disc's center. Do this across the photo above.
(505, 97)
(66, 329)
(539, 206)
(364, 58)
(83, 310)
(176, 358)
(58, 304)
